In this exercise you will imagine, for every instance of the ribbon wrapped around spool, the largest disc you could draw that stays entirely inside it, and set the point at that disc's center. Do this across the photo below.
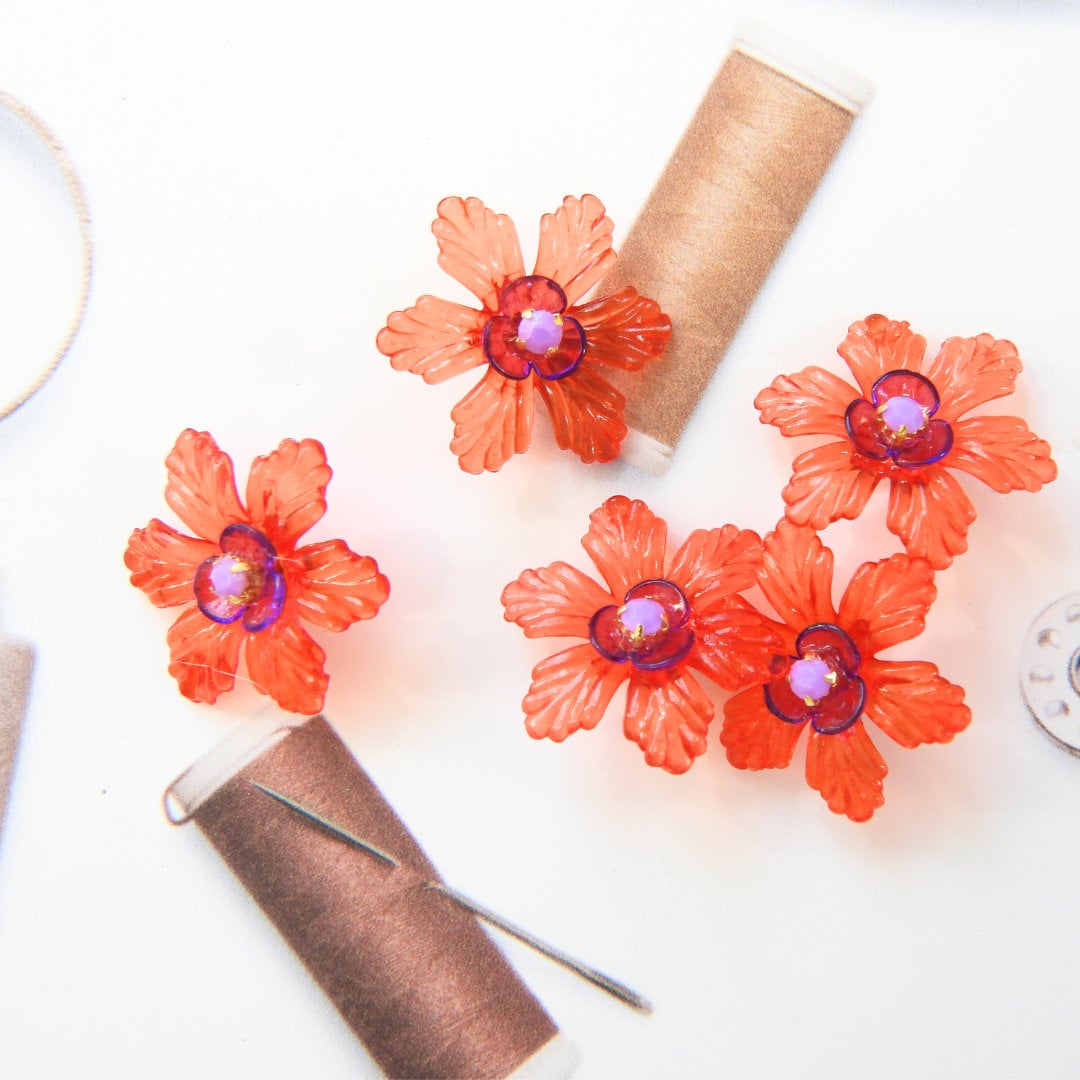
(730, 196)
(415, 976)
(16, 668)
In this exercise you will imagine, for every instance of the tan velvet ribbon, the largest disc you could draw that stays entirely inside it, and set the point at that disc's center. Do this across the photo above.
(16, 668)
(715, 222)
(414, 976)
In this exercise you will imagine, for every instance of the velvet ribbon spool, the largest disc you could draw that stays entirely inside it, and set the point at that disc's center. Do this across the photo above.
(16, 669)
(730, 196)
(415, 977)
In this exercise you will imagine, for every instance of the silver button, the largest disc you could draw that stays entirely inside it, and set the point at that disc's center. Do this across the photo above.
(1050, 671)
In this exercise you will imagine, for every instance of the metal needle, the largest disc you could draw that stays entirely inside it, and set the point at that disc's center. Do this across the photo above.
(597, 978)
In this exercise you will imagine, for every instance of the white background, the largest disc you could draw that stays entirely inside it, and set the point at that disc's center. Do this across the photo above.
(262, 179)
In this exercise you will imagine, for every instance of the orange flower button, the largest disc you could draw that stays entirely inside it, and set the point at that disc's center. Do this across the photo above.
(907, 423)
(246, 582)
(532, 334)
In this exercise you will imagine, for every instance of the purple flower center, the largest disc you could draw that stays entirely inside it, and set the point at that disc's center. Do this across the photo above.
(821, 683)
(649, 629)
(903, 416)
(896, 423)
(811, 679)
(243, 582)
(643, 618)
(540, 331)
(531, 333)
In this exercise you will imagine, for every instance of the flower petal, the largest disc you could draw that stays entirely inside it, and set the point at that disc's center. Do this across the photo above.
(796, 576)
(477, 247)
(434, 339)
(886, 602)
(734, 644)
(713, 564)
(623, 329)
(570, 690)
(575, 245)
(827, 484)
(554, 601)
(286, 491)
(875, 345)
(201, 488)
(927, 447)
(286, 663)
(912, 703)
(1002, 452)
(586, 414)
(753, 737)
(848, 771)
(810, 402)
(931, 516)
(340, 587)
(668, 715)
(626, 541)
(203, 655)
(970, 371)
(163, 562)
(492, 422)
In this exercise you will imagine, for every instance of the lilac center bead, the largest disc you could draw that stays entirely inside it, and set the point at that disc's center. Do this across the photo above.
(903, 415)
(235, 580)
(540, 331)
(810, 679)
(643, 618)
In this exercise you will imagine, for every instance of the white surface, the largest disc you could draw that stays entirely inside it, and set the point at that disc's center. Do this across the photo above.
(261, 182)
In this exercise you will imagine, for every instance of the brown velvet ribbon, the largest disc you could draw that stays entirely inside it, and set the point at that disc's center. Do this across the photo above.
(717, 219)
(16, 668)
(413, 975)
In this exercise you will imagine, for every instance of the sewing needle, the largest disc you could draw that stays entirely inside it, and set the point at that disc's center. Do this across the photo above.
(597, 978)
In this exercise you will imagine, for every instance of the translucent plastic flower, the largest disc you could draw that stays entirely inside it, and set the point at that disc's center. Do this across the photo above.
(828, 678)
(531, 335)
(244, 581)
(649, 623)
(909, 426)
